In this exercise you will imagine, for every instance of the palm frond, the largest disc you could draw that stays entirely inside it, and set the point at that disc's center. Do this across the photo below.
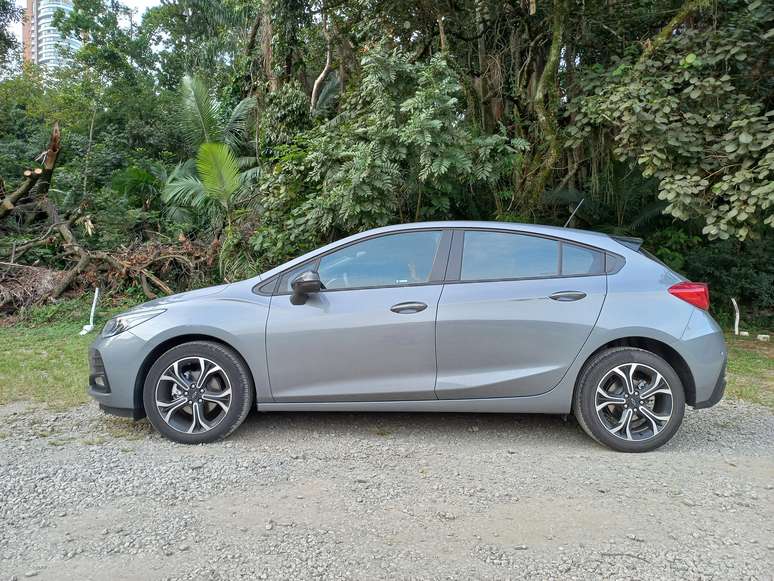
(250, 175)
(219, 172)
(200, 115)
(647, 214)
(184, 191)
(240, 124)
(246, 161)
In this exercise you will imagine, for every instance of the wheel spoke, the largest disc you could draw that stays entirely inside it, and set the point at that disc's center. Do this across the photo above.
(624, 424)
(222, 398)
(170, 407)
(656, 421)
(655, 388)
(627, 378)
(207, 372)
(604, 399)
(173, 374)
(197, 418)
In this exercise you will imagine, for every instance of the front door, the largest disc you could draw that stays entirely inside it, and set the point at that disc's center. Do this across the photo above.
(369, 335)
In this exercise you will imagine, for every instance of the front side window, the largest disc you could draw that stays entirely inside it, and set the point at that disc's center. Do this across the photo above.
(501, 255)
(287, 278)
(390, 260)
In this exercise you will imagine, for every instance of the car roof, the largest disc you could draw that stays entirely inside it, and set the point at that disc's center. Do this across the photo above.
(557, 231)
(589, 237)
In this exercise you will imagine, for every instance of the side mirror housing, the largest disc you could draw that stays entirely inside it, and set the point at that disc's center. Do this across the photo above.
(303, 285)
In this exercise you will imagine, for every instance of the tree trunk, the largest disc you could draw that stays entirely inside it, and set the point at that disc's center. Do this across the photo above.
(546, 107)
(267, 32)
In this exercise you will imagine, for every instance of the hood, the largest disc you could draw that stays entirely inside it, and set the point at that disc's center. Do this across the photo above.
(186, 296)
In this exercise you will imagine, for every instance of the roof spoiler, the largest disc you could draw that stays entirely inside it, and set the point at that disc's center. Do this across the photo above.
(629, 241)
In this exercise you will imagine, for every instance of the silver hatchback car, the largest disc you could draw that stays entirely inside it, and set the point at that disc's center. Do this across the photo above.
(429, 317)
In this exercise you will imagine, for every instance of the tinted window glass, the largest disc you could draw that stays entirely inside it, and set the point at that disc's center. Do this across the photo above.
(395, 259)
(497, 255)
(577, 260)
(288, 277)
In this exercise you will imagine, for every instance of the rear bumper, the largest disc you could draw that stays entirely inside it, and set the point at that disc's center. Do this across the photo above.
(703, 348)
(717, 392)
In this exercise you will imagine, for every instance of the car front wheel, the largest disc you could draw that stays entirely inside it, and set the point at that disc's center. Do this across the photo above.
(629, 399)
(198, 392)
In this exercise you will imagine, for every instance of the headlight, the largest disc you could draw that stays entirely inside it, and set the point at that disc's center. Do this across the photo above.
(126, 321)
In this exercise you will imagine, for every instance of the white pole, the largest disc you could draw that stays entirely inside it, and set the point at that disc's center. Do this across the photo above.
(88, 328)
(736, 317)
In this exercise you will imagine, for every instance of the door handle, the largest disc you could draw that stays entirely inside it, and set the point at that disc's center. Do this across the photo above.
(567, 296)
(408, 308)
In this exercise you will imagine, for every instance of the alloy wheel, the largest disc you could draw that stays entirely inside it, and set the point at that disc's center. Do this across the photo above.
(634, 402)
(193, 395)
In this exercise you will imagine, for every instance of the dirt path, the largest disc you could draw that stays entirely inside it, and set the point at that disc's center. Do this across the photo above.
(291, 496)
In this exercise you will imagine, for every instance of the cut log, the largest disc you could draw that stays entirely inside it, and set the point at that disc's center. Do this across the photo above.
(40, 177)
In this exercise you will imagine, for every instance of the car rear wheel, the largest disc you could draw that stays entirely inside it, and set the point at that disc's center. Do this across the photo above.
(198, 392)
(629, 399)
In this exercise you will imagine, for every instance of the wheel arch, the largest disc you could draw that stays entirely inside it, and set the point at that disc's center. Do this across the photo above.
(663, 350)
(168, 344)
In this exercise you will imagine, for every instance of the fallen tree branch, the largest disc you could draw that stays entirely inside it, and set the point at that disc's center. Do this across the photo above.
(31, 177)
(70, 276)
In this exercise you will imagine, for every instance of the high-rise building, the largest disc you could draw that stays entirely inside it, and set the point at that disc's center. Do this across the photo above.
(42, 41)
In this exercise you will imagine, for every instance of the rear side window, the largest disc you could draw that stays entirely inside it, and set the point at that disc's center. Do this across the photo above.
(581, 261)
(501, 255)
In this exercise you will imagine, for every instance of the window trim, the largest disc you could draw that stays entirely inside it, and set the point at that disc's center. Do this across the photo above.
(448, 268)
(437, 270)
(454, 270)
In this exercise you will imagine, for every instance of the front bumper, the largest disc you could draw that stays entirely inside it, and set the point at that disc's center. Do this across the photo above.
(114, 364)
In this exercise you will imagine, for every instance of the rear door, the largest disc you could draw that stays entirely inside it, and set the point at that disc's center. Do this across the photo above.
(514, 313)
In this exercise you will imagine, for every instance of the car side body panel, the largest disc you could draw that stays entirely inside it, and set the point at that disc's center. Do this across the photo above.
(349, 345)
(508, 338)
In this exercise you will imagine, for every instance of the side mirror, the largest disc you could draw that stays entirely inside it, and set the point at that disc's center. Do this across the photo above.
(303, 285)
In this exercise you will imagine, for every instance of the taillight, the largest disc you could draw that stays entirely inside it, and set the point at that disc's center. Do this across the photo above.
(696, 293)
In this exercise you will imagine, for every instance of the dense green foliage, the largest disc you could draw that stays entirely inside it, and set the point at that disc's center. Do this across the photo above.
(262, 128)
(9, 14)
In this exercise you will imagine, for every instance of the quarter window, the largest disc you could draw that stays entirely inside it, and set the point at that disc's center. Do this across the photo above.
(501, 255)
(580, 261)
(389, 260)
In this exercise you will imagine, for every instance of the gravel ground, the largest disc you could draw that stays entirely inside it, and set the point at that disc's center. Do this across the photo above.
(369, 496)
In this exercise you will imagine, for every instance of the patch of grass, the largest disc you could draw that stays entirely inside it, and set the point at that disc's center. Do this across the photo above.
(44, 358)
(750, 370)
(47, 364)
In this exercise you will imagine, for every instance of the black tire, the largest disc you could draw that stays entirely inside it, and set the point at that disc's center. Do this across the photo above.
(601, 367)
(237, 377)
